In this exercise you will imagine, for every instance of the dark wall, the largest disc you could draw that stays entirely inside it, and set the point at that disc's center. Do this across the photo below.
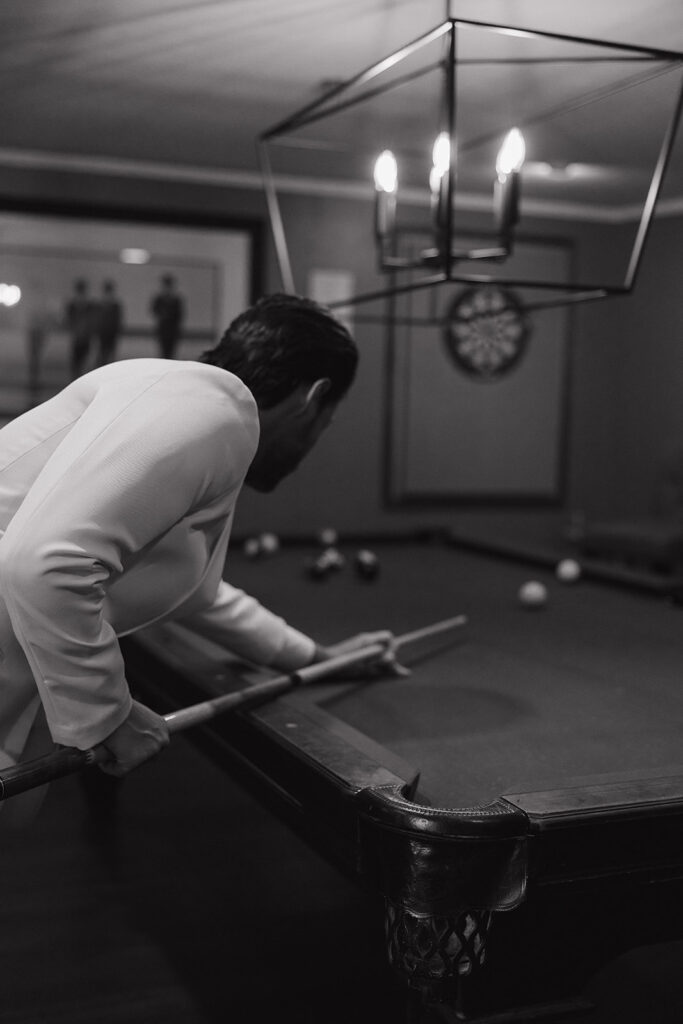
(626, 367)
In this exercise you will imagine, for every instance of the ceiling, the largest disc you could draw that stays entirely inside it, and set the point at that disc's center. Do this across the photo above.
(190, 85)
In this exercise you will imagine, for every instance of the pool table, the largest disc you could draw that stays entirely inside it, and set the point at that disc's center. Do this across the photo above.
(517, 800)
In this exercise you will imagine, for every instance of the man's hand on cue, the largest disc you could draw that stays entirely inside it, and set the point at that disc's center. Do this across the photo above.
(141, 736)
(383, 665)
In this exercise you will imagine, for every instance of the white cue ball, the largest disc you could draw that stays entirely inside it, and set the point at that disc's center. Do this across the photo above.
(533, 594)
(568, 570)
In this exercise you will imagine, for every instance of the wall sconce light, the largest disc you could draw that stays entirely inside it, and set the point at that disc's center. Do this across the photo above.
(473, 99)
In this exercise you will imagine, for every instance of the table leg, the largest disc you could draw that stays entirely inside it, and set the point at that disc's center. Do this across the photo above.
(433, 954)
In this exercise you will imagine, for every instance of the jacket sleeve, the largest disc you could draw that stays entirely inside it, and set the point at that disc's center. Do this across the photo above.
(239, 622)
(124, 475)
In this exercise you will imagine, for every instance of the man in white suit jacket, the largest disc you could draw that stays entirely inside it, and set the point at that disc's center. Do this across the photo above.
(116, 503)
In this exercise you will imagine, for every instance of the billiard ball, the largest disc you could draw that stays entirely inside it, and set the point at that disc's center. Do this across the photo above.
(367, 564)
(252, 547)
(333, 558)
(319, 568)
(270, 543)
(328, 537)
(568, 570)
(533, 594)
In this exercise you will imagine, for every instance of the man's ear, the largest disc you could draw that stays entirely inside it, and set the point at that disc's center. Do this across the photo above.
(315, 396)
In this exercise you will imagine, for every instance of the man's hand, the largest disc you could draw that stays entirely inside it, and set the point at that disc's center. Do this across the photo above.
(141, 736)
(383, 665)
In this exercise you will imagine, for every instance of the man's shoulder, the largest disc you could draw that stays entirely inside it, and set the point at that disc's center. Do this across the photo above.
(187, 382)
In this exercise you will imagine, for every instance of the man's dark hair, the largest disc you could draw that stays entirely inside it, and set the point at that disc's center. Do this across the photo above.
(282, 342)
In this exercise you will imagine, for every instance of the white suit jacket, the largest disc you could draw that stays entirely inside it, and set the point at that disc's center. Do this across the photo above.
(116, 502)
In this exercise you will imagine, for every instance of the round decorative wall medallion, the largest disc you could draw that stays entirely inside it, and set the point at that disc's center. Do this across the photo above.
(486, 331)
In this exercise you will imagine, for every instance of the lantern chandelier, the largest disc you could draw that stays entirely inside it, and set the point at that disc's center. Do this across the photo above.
(523, 124)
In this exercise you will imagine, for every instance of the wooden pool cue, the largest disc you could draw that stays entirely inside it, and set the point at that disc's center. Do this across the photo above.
(66, 761)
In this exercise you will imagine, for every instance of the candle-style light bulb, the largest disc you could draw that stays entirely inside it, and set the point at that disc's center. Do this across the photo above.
(511, 154)
(386, 185)
(441, 154)
(438, 179)
(506, 187)
(386, 172)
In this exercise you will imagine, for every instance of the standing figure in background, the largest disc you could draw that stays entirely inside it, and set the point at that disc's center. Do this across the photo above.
(168, 310)
(40, 320)
(79, 317)
(109, 320)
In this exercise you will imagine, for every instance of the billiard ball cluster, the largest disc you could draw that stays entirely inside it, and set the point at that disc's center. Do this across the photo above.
(330, 560)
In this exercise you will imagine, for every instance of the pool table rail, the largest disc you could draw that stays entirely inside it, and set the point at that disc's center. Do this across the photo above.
(626, 831)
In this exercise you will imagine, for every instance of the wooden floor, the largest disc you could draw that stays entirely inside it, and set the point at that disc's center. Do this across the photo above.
(193, 905)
